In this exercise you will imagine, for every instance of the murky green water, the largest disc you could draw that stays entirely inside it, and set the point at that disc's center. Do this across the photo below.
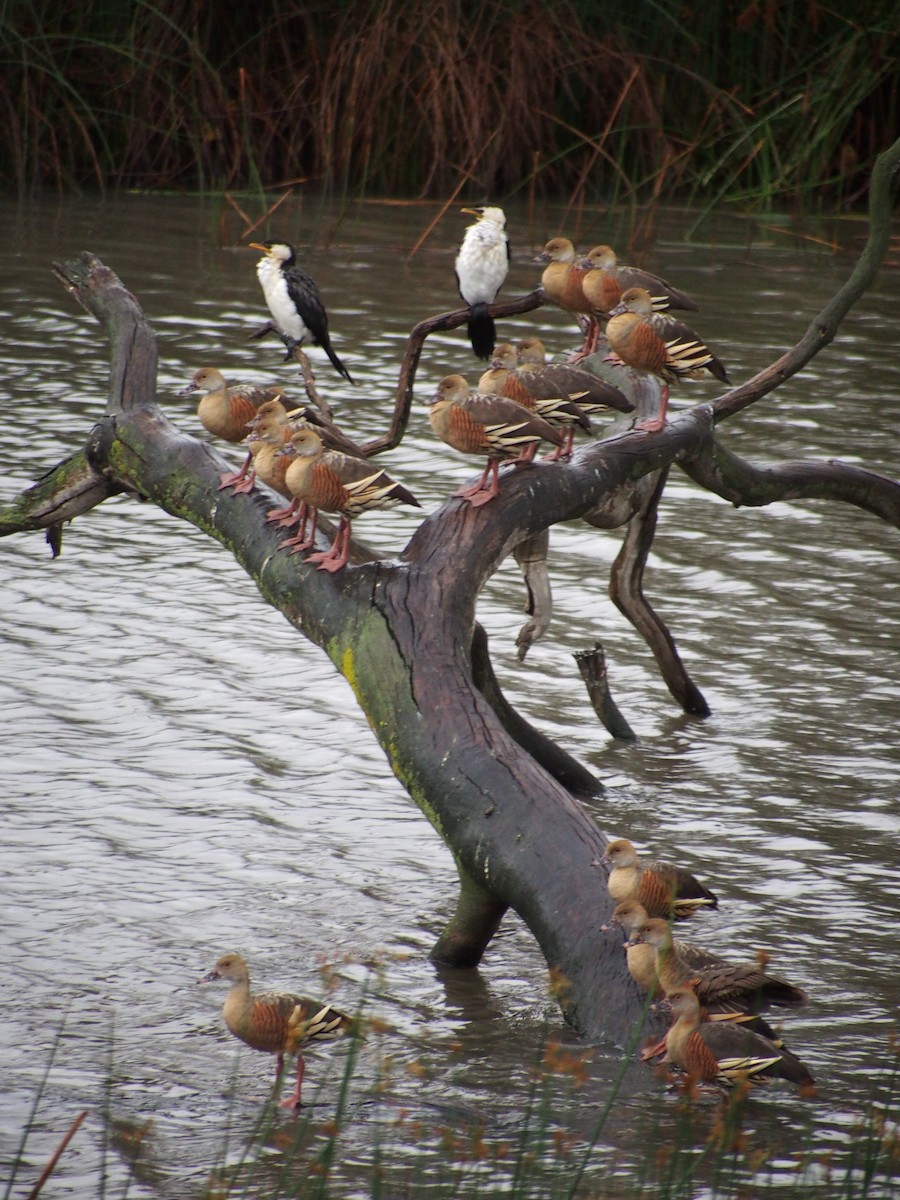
(183, 776)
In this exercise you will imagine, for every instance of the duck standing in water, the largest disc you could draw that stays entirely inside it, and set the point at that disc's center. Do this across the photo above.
(276, 1022)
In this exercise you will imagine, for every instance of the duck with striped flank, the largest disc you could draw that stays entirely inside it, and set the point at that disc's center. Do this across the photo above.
(734, 986)
(630, 915)
(488, 424)
(605, 282)
(279, 1023)
(725, 1053)
(503, 378)
(335, 483)
(663, 889)
(641, 960)
(225, 413)
(657, 344)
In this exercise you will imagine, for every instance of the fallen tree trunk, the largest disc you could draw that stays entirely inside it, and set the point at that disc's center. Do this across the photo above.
(404, 632)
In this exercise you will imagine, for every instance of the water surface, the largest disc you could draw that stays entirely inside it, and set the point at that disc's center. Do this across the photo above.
(184, 775)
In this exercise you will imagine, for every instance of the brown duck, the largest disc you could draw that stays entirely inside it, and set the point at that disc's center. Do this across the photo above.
(745, 986)
(503, 378)
(485, 423)
(658, 345)
(723, 1052)
(641, 959)
(641, 956)
(606, 280)
(277, 1022)
(336, 483)
(225, 412)
(663, 889)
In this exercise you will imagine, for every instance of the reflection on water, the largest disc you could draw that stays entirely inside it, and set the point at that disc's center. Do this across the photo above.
(183, 775)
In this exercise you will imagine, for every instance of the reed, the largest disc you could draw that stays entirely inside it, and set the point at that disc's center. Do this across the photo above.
(381, 1143)
(752, 105)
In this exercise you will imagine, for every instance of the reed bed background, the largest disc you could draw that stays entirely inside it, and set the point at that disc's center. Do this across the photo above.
(756, 103)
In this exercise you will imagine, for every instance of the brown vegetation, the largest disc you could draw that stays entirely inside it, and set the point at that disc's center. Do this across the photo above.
(620, 104)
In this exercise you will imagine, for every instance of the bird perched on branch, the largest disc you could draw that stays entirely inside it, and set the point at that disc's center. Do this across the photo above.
(270, 429)
(744, 985)
(225, 412)
(663, 889)
(336, 483)
(503, 379)
(482, 264)
(481, 423)
(724, 1052)
(294, 301)
(277, 1022)
(605, 281)
(562, 279)
(593, 395)
(658, 345)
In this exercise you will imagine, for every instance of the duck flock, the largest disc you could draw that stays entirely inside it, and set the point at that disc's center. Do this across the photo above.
(520, 401)
(717, 1035)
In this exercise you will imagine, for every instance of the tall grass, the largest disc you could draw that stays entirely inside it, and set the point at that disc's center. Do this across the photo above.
(357, 1140)
(756, 103)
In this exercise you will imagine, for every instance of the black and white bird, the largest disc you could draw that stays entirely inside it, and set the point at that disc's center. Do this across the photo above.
(294, 300)
(482, 265)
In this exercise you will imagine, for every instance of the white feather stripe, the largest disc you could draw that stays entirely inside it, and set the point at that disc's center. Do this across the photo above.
(323, 1024)
(369, 482)
(509, 436)
(746, 1066)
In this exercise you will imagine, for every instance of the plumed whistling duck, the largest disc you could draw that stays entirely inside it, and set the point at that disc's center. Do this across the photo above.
(724, 1052)
(641, 956)
(270, 429)
(482, 265)
(562, 278)
(659, 345)
(294, 300)
(606, 280)
(563, 283)
(663, 889)
(225, 412)
(276, 1022)
(641, 959)
(502, 378)
(482, 423)
(337, 483)
(592, 394)
(744, 985)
